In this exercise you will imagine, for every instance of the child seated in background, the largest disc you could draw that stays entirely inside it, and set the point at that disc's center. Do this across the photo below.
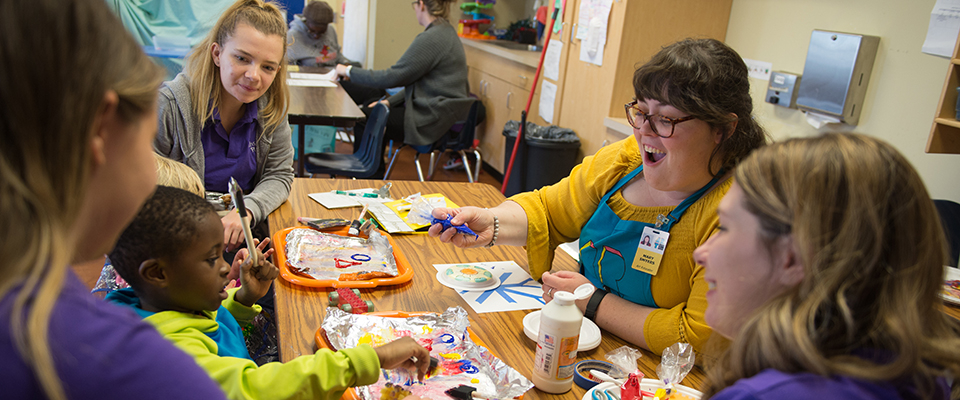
(172, 257)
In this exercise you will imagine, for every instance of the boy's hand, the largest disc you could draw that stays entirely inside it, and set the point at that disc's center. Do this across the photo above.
(401, 353)
(255, 280)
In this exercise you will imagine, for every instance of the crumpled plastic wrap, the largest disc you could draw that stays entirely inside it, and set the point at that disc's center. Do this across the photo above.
(624, 360)
(421, 208)
(676, 362)
(326, 256)
(462, 362)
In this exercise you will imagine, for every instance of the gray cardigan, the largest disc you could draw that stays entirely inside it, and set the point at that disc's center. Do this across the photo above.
(178, 138)
(433, 73)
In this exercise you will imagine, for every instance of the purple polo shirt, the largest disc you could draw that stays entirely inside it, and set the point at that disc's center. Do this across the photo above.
(102, 351)
(232, 154)
(777, 385)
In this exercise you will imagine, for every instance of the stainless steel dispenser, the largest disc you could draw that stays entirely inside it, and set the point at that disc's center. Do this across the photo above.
(836, 74)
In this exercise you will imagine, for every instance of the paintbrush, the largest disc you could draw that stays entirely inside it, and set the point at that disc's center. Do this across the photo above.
(237, 194)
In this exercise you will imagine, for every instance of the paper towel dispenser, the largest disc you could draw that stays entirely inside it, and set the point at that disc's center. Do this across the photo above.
(836, 73)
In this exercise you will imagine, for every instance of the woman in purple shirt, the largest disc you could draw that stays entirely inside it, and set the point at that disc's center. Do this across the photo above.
(225, 115)
(809, 278)
(77, 116)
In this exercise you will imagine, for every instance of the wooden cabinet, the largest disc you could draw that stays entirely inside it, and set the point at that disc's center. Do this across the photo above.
(588, 94)
(502, 79)
(637, 29)
(945, 133)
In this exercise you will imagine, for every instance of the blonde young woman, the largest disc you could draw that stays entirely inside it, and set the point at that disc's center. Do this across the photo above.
(810, 278)
(78, 115)
(225, 115)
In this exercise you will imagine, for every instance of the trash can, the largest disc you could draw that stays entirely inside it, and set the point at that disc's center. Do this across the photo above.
(546, 155)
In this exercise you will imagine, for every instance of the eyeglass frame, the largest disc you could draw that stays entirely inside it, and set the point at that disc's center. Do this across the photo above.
(414, 4)
(646, 118)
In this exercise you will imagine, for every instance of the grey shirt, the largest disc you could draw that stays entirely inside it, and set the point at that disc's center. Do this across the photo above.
(304, 50)
(178, 138)
(433, 73)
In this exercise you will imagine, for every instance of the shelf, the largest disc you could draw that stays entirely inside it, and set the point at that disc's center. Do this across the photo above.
(945, 132)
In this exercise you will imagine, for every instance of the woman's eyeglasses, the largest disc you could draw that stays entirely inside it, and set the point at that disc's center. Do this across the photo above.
(658, 123)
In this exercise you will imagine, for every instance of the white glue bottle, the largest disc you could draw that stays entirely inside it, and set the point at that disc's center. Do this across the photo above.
(560, 321)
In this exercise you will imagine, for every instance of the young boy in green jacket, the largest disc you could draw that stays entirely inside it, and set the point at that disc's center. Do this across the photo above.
(172, 257)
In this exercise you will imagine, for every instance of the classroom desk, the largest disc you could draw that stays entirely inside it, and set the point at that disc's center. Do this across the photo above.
(300, 310)
(319, 106)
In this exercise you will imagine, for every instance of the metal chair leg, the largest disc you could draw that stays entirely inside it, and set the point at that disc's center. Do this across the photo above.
(416, 160)
(466, 165)
(393, 159)
(434, 160)
(476, 176)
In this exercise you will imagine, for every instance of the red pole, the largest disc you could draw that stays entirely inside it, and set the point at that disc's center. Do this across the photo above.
(533, 88)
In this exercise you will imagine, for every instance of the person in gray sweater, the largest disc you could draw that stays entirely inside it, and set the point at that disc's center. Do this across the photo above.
(225, 115)
(314, 38)
(433, 73)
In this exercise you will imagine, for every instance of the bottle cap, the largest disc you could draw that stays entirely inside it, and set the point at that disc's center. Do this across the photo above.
(564, 298)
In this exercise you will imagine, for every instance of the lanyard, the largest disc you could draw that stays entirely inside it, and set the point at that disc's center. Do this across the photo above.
(665, 222)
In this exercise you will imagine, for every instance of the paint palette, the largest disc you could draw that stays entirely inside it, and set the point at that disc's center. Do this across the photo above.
(650, 385)
(467, 277)
(289, 273)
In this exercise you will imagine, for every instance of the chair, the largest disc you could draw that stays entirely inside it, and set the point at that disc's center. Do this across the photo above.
(361, 164)
(950, 219)
(459, 141)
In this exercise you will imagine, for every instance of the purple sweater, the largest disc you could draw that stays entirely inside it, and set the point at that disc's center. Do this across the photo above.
(773, 384)
(102, 352)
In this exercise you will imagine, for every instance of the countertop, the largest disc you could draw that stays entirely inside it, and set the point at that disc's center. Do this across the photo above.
(525, 57)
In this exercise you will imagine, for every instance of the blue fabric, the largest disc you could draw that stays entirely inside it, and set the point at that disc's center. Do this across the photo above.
(609, 244)
(232, 154)
(228, 335)
(190, 19)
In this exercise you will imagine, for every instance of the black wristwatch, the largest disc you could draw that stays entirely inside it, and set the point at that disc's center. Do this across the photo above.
(591, 311)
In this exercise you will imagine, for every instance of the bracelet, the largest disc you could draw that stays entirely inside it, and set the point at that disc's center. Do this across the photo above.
(590, 312)
(496, 231)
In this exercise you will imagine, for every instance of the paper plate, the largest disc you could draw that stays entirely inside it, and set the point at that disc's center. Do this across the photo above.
(649, 385)
(589, 331)
(445, 280)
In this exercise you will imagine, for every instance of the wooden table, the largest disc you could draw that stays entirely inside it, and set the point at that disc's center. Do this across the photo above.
(320, 106)
(300, 309)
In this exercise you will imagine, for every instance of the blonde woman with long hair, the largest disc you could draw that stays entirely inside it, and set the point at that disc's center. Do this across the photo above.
(826, 275)
(226, 114)
(77, 118)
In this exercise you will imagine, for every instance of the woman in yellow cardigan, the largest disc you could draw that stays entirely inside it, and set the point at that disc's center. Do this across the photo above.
(692, 124)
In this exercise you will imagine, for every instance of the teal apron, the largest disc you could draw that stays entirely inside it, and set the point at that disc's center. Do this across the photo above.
(608, 245)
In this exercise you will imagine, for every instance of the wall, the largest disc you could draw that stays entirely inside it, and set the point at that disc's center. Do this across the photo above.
(904, 88)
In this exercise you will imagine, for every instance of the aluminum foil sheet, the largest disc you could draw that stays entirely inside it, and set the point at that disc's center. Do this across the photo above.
(462, 362)
(327, 256)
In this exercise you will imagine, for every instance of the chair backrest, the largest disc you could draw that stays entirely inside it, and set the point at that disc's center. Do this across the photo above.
(463, 140)
(371, 146)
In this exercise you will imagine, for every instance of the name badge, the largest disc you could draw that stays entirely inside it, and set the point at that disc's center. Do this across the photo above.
(650, 250)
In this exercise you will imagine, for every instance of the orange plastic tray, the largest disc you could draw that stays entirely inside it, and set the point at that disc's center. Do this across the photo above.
(405, 272)
(323, 343)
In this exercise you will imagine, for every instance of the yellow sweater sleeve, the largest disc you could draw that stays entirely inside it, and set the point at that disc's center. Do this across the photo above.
(556, 213)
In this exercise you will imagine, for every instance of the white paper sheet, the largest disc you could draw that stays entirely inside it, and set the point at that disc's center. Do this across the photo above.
(572, 248)
(551, 61)
(311, 83)
(594, 30)
(329, 76)
(517, 290)
(332, 200)
(548, 95)
(943, 29)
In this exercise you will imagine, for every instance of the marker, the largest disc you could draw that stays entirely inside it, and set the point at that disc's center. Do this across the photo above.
(358, 194)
